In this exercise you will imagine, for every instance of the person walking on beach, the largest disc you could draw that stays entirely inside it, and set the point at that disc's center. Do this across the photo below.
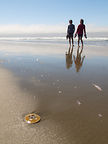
(81, 28)
(70, 32)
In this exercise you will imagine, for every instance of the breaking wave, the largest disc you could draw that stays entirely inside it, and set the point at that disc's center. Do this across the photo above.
(49, 39)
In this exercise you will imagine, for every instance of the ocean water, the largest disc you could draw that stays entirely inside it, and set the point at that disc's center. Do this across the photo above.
(92, 38)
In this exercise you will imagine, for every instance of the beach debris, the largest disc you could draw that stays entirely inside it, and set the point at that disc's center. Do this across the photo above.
(75, 87)
(58, 80)
(100, 115)
(60, 92)
(78, 102)
(32, 118)
(97, 87)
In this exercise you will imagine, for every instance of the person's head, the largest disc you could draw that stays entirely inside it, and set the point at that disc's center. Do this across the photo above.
(70, 21)
(81, 21)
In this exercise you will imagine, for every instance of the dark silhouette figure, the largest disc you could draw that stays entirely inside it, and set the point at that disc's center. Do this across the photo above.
(78, 60)
(80, 30)
(69, 60)
(70, 32)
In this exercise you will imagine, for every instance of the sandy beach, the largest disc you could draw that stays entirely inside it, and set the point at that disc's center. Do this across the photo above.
(68, 89)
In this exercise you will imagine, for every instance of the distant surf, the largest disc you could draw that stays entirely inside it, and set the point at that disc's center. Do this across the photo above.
(49, 39)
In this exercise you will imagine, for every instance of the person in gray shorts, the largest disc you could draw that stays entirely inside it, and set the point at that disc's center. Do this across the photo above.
(70, 32)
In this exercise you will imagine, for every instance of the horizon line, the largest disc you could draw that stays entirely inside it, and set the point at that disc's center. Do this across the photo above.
(42, 28)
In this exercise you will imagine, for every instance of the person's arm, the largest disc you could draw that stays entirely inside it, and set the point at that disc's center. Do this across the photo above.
(85, 32)
(76, 31)
(73, 28)
(67, 32)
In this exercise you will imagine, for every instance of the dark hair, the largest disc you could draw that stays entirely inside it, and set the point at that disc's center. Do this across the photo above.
(81, 21)
(70, 21)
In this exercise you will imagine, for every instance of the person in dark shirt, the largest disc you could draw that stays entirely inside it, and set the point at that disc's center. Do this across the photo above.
(70, 32)
(80, 30)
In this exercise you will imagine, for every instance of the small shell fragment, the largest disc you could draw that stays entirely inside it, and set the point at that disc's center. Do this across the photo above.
(100, 115)
(78, 102)
(60, 92)
(97, 87)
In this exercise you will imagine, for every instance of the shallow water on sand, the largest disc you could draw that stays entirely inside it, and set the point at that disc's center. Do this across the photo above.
(68, 89)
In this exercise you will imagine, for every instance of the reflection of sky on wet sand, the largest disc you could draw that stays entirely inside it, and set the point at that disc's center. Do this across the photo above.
(34, 78)
(48, 49)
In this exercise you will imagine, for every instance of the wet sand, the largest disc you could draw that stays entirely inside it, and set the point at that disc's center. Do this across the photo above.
(59, 85)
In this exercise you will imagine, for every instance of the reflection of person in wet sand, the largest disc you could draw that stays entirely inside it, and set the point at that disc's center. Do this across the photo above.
(69, 60)
(78, 60)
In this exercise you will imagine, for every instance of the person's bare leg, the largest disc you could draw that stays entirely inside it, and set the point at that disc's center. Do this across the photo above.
(82, 42)
(70, 42)
(78, 41)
